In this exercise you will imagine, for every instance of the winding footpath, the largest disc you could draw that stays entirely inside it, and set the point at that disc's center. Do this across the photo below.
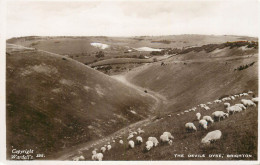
(160, 101)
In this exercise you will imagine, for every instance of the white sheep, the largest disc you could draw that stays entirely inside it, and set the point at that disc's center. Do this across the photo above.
(217, 101)
(211, 136)
(134, 133)
(178, 114)
(121, 142)
(77, 158)
(94, 152)
(208, 119)
(203, 123)
(241, 106)
(198, 115)
(233, 109)
(190, 127)
(130, 136)
(169, 135)
(250, 92)
(232, 97)
(236, 95)
(98, 156)
(255, 100)
(149, 145)
(164, 138)
(226, 105)
(209, 103)
(109, 147)
(103, 149)
(154, 140)
(206, 108)
(131, 144)
(139, 140)
(186, 111)
(140, 131)
(219, 115)
(248, 102)
(245, 94)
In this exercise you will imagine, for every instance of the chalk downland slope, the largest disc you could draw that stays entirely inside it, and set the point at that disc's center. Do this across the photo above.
(80, 48)
(54, 102)
(196, 77)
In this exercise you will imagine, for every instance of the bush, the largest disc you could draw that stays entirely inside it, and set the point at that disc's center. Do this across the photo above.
(141, 56)
(100, 54)
(242, 67)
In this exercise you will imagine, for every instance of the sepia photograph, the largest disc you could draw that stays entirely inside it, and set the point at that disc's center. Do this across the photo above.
(171, 81)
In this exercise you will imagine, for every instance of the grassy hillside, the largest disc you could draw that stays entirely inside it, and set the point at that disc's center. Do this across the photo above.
(79, 48)
(195, 77)
(239, 136)
(54, 102)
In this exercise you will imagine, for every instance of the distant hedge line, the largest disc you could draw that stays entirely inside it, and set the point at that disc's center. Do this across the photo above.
(208, 48)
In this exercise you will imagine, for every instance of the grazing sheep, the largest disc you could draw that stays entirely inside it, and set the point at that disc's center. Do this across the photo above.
(219, 115)
(186, 111)
(241, 94)
(109, 147)
(226, 105)
(203, 123)
(164, 138)
(149, 145)
(198, 115)
(211, 136)
(103, 149)
(139, 140)
(178, 114)
(113, 141)
(209, 103)
(241, 106)
(130, 136)
(206, 108)
(131, 144)
(217, 101)
(255, 100)
(94, 152)
(99, 156)
(121, 142)
(208, 119)
(134, 133)
(169, 135)
(236, 95)
(140, 131)
(190, 127)
(232, 97)
(78, 158)
(245, 94)
(248, 103)
(169, 115)
(154, 140)
(233, 109)
(250, 92)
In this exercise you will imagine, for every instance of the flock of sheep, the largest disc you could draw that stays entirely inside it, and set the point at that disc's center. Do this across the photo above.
(167, 137)
(218, 115)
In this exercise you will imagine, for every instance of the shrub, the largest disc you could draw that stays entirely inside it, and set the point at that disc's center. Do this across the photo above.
(100, 54)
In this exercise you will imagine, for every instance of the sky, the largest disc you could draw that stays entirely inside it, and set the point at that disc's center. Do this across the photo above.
(131, 18)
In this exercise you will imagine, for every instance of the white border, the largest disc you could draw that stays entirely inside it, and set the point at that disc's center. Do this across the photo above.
(3, 100)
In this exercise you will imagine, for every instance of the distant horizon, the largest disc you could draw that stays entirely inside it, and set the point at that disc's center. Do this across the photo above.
(131, 36)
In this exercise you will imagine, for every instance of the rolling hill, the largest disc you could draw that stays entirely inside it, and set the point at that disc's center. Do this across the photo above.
(80, 48)
(54, 102)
